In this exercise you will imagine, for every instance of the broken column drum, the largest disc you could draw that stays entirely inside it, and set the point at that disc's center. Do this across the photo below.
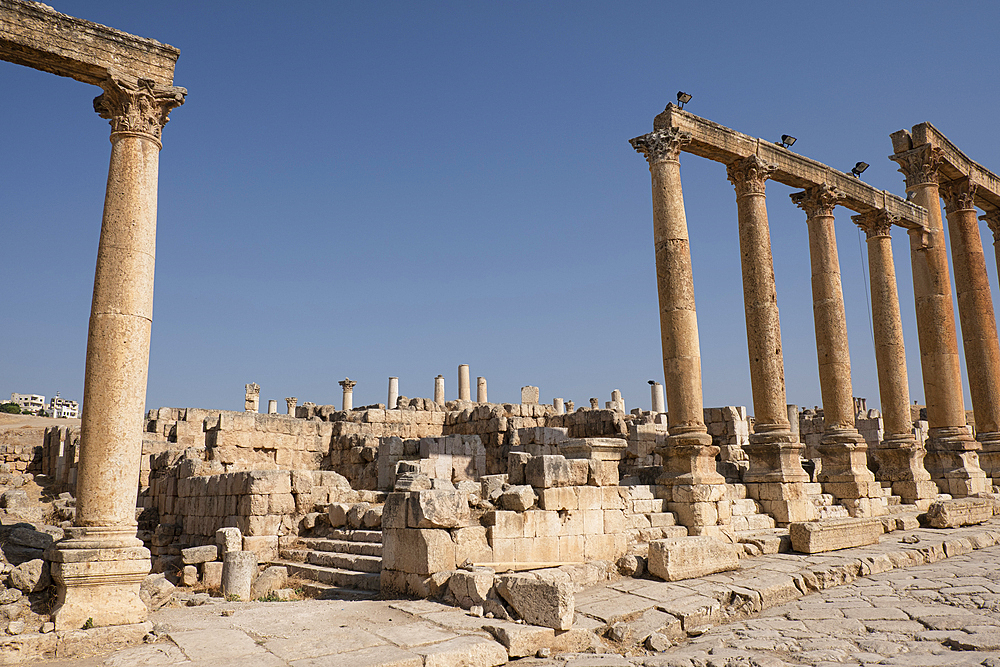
(481, 396)
(775, 475)
(952, 453)
(844, 473)
(900, 457)
(439, 390)
(393, 396)
(657, 399)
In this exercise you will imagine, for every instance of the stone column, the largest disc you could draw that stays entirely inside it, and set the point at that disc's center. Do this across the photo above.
(481, 396)
(975, 312)
(464, 391)
(393, 393)
(775, 477)
(272, 407)
(557, 403)
(656, 396)
(99, 565)
(843, 450)
(900, 456)
(952, 453)
(688, 453)
(993, 222)
(594, 404)
(290, 402)
(439, 390)
(348, 384)
(251, 401)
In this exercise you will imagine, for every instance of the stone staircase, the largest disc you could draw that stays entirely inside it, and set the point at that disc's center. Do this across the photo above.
(345, 564)
(748, 517)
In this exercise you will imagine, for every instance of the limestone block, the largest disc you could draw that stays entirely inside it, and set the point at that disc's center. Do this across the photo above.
(262, 525)
(337, 513)
(238, 570)
(517, 498)
(266, 482)
(30, 576)
(516, 461)
(373, 518)
(471, 545)
(959, 512)
(211, 574)
(504, 524)
(813, 537)
(356, 515)
(529, 395)
(538, 523)
(471, 587)
(273, 578)
(551, 471)
(674, 559)
(521, 640)
(418, 551)
(563, 498)
(189, 575)
(550, 604)
(491, 484)
(438, 509)
(265, 546)
(603, 473)
(195, 555)
(589, 497)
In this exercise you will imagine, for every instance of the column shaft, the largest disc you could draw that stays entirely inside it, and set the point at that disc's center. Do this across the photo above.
(393, 396)
(464, 391)
(439, 390)
(481, 395)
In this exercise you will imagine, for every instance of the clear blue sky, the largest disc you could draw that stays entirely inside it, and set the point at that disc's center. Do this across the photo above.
(395, 188)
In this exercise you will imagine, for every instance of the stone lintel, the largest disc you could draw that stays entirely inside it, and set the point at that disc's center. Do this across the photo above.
(959, 512)
(722, 144)
(37, 36)
(813, 537)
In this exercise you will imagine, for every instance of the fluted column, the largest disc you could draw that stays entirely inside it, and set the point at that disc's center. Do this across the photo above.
(843, 450)
(348, 400)
(100, 564)
(688, 454)
(775, 476)
(899, 456)
(975, 312)
(952, 453)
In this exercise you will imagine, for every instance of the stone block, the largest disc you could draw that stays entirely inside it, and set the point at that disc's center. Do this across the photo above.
(813, 537)
(337, 513)
(563, 498)
(265, 546)
(521, 640)
(959, 512)
(471, 587)
(516, 462)
(202, 554)
(189, 575)
(517, 498)
(266, 482)
(674, 559)
(418, 551)
(471, 545)
(272, 579)
(551, 471)
(438, 509)
(505, 524)
(548, 603)
(211, 574)
(529, 395)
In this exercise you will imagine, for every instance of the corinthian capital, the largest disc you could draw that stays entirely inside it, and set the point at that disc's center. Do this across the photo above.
(920, 165)
(348, 384)
(661, 144)
(137, 106)
(877, 222)
(749, 175)
(818, 200)
(959, 195)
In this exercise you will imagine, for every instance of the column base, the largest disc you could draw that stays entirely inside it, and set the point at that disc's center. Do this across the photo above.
(689, 459)
(97, 574)
(845, 474)
(901, 461)
(953, 461)
(989, 457)
(786, 502)
(774, 457)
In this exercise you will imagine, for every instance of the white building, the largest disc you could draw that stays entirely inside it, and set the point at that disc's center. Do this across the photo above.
(29, 402)
(61, 407)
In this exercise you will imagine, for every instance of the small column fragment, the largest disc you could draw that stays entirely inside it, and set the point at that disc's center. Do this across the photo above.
(393, 396)
(557, 403)
(656, 394)
(348, 384)
(272, 407)
(439, 390)
(464, 390)
(481, 396)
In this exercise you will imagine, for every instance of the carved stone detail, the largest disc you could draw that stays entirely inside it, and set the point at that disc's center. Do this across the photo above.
(749, 175)
(818, 200)
(920, 165)
(661, 144)
(348, 384)
(959, 195)
(877, 222)
(993, 222)
(137, 108)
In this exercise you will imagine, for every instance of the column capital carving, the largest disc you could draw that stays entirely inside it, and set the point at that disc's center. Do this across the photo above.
(663, 144)
(749, 175)
(348, 384)
(992, 219)
(818, 200)
(959, 195)
(920, 165)
(877, 222)
(137, 107)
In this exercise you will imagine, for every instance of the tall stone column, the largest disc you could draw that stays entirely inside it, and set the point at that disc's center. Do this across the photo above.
(393, 396)
(993, 222)
(900, 457)
(975, 312)
(657, 399)
(952, 453)
(844, 452)
(464, 390)
(439, 390)
(100, 564)
(775, 477)
(348, 384)
(290, 403)
(688, 454)
(481, 396)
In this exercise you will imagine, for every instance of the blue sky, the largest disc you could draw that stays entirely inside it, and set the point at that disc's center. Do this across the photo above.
(392, 188)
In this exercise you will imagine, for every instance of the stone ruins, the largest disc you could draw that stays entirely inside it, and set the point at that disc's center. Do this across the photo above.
(505, 509)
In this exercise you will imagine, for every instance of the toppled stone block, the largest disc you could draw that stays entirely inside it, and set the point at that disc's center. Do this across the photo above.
(356, 515)
(438, 509)
(813, 537)
(417, 551)
(521, 641)
(471, 587)
(413, 482)
(337, 513)
(517, 498)
(155, 591)
(679, 558)
(959, 512)
(270, 580)
(211, 574)
(545, 602)
(189, 576)
(31, 576)
(202, 554)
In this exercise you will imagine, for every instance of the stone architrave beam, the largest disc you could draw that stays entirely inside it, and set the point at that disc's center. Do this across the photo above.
(37, 36)
(722, 144)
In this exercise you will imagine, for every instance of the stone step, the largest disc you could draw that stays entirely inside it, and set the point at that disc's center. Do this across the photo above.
(902, 508)
(355, 562)
(373, 536)
(745, 507)
(295, 555)
(832, 512)
(365, 581)
(662, 519)
(752, 522)
(774, 540)
(319, 591)
(341, 546)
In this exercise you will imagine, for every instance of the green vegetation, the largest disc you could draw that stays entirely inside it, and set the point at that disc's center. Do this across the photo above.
(10, 408)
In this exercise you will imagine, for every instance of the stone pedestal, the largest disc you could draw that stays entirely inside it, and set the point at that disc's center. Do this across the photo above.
(899, 456)
(775, 478)
(952, 453)
(688, 456)
(348, 384)
(290, 404)
(439, 390)
(464, 391)
(843, 450)
(975, 311)
(481, 395)
(393, 396)
(99, 565)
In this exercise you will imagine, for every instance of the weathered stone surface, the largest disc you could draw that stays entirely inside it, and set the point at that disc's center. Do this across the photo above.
(544, 602)
(189, 575)
(517, 498)
(521, 640)
(471, 587)
(438, 509)
(156, 591)
(202, 554)
(270, 580)
(685, 557)
(418, 550)
(337, 512)
(211, 574)
(813, 537)
(228, 539)
(959, 512)
(238, 570)
(546, 472)
(31, 576)
(463, 652)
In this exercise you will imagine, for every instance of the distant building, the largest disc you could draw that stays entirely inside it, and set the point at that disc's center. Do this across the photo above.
(60, 407)
(29, 402)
